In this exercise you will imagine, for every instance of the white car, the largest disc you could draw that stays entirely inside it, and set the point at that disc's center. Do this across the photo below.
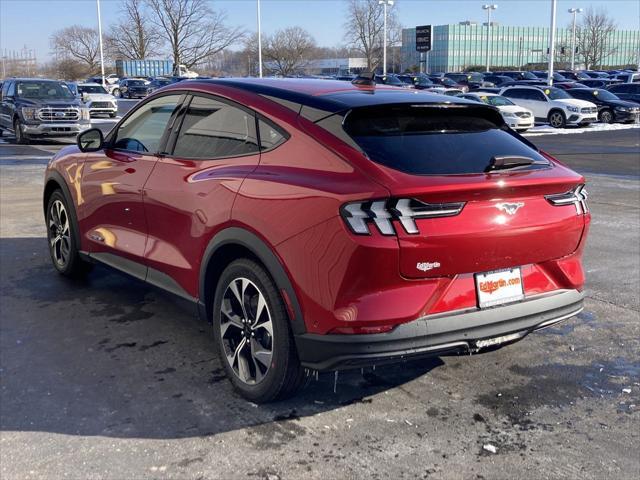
(97, 99)
(452, 92)
(518, 118)
(552, 105)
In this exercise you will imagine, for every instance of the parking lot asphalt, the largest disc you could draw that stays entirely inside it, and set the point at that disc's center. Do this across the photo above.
(110, 378)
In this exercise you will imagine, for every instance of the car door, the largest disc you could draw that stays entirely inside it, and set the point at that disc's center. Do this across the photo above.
(537, 102)
(192, 189)
(6, 105)
(111, 212)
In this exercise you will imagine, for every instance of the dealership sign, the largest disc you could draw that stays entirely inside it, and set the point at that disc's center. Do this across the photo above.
(423, 38)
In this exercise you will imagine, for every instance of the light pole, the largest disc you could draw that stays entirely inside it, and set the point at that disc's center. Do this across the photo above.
(573, 11)
(385, 3)
(552, 41)
(100, 41)
(488, 8)
(259, 42)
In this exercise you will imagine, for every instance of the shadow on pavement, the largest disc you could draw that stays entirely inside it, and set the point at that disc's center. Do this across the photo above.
(112, 356)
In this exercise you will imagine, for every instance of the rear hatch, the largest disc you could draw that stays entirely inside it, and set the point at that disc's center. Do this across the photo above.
(467, 195)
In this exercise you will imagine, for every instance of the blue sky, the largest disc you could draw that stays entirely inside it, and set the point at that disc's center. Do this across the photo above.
(31, 22)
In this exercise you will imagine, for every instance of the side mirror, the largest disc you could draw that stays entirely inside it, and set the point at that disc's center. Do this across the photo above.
(90, 140)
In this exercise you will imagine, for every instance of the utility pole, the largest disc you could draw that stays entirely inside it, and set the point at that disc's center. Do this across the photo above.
(489, 8)
(259, 41)
(100, 42)
(385, 3)
(552, 41)
(574, 11)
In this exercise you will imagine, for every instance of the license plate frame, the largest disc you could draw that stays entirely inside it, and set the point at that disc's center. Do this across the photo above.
(499, 287)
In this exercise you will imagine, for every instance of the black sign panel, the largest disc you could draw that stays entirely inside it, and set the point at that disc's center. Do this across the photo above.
(423, 38)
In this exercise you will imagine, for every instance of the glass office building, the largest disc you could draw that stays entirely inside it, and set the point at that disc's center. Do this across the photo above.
(456, 47)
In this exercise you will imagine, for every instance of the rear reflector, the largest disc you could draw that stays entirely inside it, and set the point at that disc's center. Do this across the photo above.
(362, 330)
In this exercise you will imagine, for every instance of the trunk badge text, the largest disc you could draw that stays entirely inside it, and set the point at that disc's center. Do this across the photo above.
(510, 208)
(426, 266)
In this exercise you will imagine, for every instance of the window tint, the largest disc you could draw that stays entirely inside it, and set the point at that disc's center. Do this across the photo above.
(515, 93)
(537, 95)
(427, 141)
(214, 129)
(143, 130)
(269, 136)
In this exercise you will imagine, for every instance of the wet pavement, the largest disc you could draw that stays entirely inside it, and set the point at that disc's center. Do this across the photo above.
(111, 378)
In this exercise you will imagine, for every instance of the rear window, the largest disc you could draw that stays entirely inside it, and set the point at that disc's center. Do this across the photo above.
(422, 140)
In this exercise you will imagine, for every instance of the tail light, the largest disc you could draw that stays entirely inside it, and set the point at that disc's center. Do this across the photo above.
(576, 197)
(359, 215)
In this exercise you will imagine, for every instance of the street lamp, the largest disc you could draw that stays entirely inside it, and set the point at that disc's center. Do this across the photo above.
(100, 41)
(552, 42)
(385, 3)
(488, 8)
(259, 41)
(574, 11)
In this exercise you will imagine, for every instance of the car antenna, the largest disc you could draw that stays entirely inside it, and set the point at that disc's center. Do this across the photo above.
(365, 79)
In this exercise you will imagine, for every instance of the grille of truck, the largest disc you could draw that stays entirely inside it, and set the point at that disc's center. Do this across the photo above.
(49, 114)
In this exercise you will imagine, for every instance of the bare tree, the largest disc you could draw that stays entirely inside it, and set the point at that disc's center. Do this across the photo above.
(592, 37)
(364, 27)
(289, 50)
(193, 31)
(78, 43)
(134, 37)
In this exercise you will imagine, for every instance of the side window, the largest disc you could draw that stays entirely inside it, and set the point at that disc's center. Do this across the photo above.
(214, 129)
(11, 89)
(269, 136)
(536, 95)
(515, 93)
(143, 130)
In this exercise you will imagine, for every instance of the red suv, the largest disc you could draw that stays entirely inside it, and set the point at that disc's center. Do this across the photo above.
(321, 225)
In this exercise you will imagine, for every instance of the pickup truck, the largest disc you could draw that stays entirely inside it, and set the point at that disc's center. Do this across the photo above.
(33, 107)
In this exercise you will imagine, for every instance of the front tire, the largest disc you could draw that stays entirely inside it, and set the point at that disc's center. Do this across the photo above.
(21, 138)
(116, 93)
(252, 334)
(62, 238)
(606, 116)
(557, 119)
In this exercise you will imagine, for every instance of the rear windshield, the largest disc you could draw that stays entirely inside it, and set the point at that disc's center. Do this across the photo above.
(422, 140)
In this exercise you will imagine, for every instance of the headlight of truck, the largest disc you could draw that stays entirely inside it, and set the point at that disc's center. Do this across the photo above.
(573, 109)
(29, 113)
(623, 109)
(84, 114)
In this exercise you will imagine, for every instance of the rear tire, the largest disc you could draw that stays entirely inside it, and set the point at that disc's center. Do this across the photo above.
(252, 334)
(61, 238)
(116, 93)
(557, 119)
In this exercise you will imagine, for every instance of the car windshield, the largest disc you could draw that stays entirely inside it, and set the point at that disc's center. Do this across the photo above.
(447, 82)
(529, 76)
(422, 140)
(162, 82)
(556, 93)
(136, 83)
(422, 81)
(475, 77)
(496, 100)
(91, 89)
(43, 90)
(391, 80)
(604, 94)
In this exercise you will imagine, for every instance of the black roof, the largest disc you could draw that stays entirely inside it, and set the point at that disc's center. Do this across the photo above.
(331, 96)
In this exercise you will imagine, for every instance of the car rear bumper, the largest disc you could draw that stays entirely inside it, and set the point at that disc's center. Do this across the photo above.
(452, 332)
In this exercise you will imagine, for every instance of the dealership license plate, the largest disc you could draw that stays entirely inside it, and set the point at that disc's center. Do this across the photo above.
(499, 287)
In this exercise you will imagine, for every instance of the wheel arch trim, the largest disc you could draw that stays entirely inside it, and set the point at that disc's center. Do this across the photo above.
(250, 241)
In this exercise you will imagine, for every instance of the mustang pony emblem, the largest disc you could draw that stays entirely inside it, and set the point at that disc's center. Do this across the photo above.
(510, 208)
